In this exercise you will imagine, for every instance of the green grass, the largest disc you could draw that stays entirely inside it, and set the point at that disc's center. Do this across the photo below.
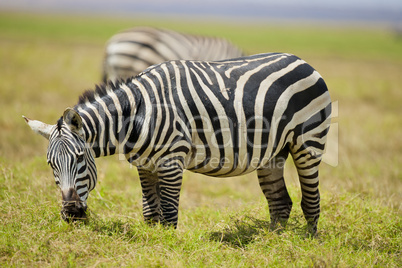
(46, 63)
(354, 230)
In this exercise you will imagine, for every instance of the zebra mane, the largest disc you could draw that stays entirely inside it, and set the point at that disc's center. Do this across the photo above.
(100, 90)
(103, 88)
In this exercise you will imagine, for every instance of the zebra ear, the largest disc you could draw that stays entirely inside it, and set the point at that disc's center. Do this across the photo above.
(73, 120)
(39, 127)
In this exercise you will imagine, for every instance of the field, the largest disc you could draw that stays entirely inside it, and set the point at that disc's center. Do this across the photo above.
(48, 61)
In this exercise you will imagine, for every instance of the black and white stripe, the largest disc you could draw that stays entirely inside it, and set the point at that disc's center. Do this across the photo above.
(130, 52)
(222, 118)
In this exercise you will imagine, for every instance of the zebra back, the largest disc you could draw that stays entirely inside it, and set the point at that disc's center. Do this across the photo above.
(130, 52)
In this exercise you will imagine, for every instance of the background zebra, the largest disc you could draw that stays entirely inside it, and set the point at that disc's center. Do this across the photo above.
(223, 118)
(130, 52)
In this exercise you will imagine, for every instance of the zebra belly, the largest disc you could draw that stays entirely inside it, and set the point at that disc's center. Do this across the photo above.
(215, 170)
(231, 151)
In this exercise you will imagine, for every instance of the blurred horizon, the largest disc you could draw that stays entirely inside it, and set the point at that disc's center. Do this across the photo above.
(388, 12)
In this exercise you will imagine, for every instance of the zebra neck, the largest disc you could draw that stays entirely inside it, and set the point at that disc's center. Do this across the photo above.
(111, 121)
(97, 137)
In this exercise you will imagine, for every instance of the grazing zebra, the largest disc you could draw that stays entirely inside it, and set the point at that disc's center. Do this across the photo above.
(222, 118)
(130, 52)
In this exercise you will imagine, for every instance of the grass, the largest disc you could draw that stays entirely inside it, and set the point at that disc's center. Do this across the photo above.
(354, 230)
(47, 61)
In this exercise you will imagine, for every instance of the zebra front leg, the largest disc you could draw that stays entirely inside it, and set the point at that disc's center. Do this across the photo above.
(273, 186)
(170, 175)
(151, 208)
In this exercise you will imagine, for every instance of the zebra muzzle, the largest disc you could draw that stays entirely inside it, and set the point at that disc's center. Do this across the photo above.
(73, 211)
(73, 208)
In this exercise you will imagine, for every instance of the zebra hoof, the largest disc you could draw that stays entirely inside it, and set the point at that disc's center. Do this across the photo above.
(311, 231)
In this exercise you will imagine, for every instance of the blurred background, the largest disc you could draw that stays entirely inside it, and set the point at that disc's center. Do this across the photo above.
(341, 11)
(51, 51)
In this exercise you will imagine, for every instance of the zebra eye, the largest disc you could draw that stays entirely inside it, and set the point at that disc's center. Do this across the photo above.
(80, 157)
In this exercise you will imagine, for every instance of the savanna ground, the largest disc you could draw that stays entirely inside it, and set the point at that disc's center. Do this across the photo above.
(47, 62)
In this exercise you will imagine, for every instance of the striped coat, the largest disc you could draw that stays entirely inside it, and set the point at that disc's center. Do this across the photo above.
(222, 118)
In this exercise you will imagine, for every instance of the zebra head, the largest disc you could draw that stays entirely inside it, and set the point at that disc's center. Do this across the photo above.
(72, 162)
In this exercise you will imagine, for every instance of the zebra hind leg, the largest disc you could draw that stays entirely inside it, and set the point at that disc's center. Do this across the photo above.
(307, 161)
(307, 148)
(150, 196)
(273, 186)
